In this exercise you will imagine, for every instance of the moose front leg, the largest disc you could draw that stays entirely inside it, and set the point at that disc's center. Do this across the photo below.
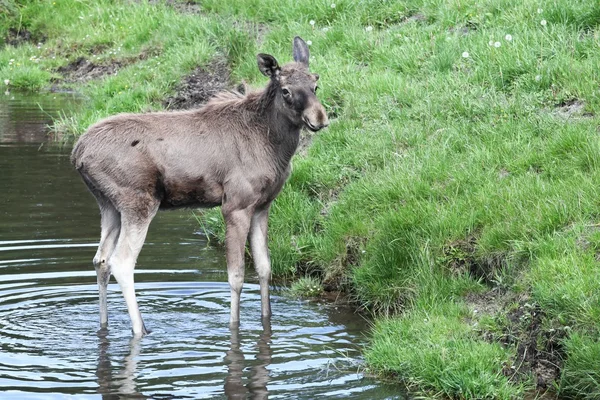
(260, 254)
(237, 226)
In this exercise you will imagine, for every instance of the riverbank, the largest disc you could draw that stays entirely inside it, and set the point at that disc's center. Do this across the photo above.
(455, 194)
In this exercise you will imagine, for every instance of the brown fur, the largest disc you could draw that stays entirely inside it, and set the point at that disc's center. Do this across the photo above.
(235, 152)
(186, 158)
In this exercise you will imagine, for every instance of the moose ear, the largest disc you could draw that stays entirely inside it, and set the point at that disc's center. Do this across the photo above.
(300, 52)
(267, 64)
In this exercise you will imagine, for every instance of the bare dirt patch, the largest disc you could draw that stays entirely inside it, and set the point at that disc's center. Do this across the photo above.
(523, 325)
(17, 37)
(487, 303)
(518, 321)
(572, 109)
(83, 70)
(539, 347)
(199, 86)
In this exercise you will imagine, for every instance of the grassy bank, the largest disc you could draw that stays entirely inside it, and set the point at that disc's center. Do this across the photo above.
(456, 190)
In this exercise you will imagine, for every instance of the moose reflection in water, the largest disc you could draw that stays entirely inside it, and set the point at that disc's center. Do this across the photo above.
(259, 377)
(123, 384)
(234, 152)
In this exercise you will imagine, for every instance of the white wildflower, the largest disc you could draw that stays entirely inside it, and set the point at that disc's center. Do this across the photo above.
(543, 22)
(539, 10)
(369, 28)
(7, 82)
(309, 42)
(465, 54)
(538, 78)
(333, 5)
(497, 44)
(508, 37)
(325, 29)
(312, 22)
(491, 42)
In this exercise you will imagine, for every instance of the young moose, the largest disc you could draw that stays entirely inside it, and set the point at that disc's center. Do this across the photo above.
(234, 152)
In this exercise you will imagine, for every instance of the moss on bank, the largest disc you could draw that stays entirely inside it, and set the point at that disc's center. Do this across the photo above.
(462, 159)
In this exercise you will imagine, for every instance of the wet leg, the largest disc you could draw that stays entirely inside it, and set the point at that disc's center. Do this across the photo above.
(260, 254)
(237, 226)
(123, 259)
(110, 225)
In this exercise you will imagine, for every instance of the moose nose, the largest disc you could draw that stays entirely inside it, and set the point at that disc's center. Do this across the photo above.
(316, 126)
(315, 118)
(323, 120)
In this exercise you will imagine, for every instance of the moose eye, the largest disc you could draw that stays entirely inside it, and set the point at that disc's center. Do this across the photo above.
(315, 89)
(285, 92)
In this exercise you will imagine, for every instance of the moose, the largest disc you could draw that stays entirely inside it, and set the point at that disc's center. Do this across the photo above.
(233, 152)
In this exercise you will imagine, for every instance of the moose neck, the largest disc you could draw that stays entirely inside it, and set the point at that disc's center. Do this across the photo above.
(283, 134)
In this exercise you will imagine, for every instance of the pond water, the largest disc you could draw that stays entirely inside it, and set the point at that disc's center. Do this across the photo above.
(50, 345)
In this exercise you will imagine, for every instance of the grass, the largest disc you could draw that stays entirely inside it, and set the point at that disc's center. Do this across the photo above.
(306, 287)
(155, 44)
(581, 376)
(440, 354)
(459, 160)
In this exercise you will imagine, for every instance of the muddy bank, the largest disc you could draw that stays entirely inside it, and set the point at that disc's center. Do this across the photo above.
(199, 86)
(82, 69)
(18, 37)
(520, 323)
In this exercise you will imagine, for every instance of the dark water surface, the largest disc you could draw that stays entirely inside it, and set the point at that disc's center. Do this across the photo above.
(50, 346)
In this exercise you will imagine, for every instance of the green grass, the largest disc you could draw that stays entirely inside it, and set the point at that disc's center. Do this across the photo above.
(155, 44)
(437, 352)
(442, 173)
(306, 287)
(581, 375)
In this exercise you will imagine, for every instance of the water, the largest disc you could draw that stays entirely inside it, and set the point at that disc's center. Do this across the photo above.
(50, 346)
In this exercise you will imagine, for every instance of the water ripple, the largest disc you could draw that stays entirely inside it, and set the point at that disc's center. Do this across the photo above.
(49, 337)
(50, 345)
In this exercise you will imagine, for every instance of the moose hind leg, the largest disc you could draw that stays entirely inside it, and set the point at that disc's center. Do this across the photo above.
(111, 225)
(122, 261)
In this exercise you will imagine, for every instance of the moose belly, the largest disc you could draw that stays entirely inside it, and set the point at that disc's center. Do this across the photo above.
(194, 193)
